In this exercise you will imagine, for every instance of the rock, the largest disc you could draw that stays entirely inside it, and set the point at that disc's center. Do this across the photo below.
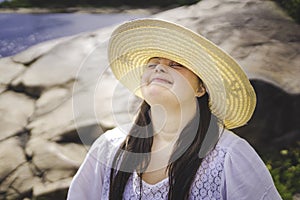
(37, 77)
(53, 123)
(60, 124)
(54, 175)
(55, 190)
(275, 123)
(49, 166)
(16, 176)
(118, 105)
(2, 88)
(19, 183)
(9, 70)
(62, 110)
(12, 156)
(296, 196)
(48, 155)
(59, 66)
(15, 109)
(50, 100)
(33, 53)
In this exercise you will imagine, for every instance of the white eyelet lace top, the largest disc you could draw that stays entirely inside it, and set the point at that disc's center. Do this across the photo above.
(233, 171)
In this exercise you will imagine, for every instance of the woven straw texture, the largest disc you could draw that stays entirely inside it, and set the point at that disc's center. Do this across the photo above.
(132, 44)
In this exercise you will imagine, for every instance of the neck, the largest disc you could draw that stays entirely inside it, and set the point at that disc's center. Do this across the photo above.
(169, 120)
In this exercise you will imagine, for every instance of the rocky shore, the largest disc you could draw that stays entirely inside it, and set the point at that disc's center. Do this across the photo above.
(57, 97)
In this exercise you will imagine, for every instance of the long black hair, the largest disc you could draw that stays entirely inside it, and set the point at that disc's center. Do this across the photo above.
(184, 162)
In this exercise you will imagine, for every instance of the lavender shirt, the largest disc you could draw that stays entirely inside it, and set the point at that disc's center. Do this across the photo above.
(233, 171)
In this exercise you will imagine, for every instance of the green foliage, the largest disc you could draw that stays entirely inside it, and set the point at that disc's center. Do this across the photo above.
(292, 7)
(285, 169)
(15, 4)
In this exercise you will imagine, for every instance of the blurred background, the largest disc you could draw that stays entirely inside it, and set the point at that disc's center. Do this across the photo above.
(57, 94)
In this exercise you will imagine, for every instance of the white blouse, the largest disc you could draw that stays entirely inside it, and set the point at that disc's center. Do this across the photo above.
(232, 171)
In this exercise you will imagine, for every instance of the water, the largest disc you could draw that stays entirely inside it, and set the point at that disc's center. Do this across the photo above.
(20, 31)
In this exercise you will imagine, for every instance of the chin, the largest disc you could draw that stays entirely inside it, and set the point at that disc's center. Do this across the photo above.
(159, 97)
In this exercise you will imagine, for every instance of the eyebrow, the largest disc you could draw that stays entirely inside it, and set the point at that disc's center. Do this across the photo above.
(155, 58)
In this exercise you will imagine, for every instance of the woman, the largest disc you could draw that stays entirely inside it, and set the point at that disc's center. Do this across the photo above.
(179, 146)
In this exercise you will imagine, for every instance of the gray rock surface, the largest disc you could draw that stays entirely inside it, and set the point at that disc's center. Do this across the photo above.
(14, 157)
(57, 97)
(15, 109)
(9, 70)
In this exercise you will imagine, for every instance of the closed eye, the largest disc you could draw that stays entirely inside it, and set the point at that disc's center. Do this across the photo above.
(151, 65)
(176, 65)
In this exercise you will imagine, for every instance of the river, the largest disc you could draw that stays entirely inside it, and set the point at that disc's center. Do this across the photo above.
(20, 31)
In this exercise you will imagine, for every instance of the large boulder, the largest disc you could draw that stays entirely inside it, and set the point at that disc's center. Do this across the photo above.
(15, 109)
(57, 97)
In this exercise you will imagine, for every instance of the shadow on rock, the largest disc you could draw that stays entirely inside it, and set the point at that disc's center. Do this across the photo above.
(276, 121)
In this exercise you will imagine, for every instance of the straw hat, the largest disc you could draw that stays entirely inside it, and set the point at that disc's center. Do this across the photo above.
(132, 44)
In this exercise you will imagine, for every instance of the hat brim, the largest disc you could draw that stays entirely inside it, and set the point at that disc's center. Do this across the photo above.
(132, 44)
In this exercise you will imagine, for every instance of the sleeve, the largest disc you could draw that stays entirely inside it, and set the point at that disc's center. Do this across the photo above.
(88, 181)
(245, 175)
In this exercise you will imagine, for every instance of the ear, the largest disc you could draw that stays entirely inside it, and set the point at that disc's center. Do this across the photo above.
(200, 91)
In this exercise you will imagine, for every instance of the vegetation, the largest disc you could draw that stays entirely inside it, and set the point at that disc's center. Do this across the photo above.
(284, 166)
(292, 7)
(94, 3)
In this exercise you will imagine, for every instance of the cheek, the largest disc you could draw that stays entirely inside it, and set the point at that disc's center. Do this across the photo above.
(195, 83)
(187, 79)
(145, 78)
(193, 80)
(183, 85)
(144, 85)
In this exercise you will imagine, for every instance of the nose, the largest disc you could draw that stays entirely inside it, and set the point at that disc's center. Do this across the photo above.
(160, 68)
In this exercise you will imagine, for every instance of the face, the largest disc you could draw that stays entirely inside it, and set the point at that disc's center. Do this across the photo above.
(165, 80)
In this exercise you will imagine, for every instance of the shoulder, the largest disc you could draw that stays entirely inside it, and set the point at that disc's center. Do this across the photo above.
(238, 151)
(106, 145)
(88, 183)
(229, 140)
(113, 137)
(245, 176)
(234, 145)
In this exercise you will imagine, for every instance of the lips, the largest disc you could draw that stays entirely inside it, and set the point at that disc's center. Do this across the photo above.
(160, 80)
